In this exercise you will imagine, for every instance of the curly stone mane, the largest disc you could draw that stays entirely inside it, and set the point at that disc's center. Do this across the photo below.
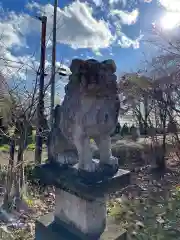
(91, 96)
(92, 78)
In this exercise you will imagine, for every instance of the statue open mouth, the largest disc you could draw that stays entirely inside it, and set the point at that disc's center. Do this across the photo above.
(89, 72)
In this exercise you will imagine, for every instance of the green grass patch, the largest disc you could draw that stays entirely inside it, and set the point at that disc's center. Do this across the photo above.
(31, 147)
(4, 148)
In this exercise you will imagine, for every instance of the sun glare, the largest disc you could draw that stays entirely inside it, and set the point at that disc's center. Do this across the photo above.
(170, 5)
(170, 20)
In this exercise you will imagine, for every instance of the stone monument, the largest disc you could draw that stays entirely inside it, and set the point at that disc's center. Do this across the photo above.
(89, 111)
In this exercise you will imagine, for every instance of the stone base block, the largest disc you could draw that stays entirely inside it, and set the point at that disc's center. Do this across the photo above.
(69, 180)
(48, 229)
(79, 214)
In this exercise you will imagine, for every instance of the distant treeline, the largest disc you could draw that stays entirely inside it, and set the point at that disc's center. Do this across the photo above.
(127, 130)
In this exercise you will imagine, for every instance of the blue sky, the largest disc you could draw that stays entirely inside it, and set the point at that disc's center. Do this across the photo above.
(94, 28)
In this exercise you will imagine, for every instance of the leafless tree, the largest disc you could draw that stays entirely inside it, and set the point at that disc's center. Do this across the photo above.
(22, 106)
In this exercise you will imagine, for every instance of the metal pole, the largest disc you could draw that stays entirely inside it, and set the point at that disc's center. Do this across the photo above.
(40, 106)
(53, 70)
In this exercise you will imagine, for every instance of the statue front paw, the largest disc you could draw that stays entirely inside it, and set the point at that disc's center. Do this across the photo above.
(89, 167)
(110, 168)
(113, 161)
(67, 158)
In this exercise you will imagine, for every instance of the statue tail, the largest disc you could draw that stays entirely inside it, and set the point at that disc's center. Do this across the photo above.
(57, 115)
(57, 142)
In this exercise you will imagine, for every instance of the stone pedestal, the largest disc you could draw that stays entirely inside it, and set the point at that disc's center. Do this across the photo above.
(48, 229)
(86, 216)
(80, 209)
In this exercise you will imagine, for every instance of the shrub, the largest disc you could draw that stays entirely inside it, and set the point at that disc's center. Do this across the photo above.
(149, 219)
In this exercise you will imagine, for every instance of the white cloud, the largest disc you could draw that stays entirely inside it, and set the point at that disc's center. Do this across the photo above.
(13, 32)
(110, 51)
(77, 27)
(89, 57)
(126, 42)
(119, 18)
(170, 5)
(98, 2)
(112, 2)
(125, 16)
(97, 52)
(67, 61)
(118, 27)
(14, 29)
(170, 20)
(49, 44)
(19, 67)
(9, 36)
(32, 5)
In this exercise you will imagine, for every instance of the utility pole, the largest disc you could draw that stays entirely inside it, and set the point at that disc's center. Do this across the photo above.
(40, 105)
(53, 70)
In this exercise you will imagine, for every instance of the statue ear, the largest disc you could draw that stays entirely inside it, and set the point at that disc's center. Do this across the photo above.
(92, 61)
(110, 65)
(76, 64)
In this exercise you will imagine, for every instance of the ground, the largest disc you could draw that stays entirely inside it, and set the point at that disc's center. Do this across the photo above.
(28, 156)
(146, 185)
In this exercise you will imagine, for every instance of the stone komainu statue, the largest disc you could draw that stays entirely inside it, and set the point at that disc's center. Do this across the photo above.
(89, 110)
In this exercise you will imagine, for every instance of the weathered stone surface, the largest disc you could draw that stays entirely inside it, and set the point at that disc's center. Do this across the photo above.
(89, 110)
(68, 179)
(79, 215)
(113, 231)
(80, 209)
(48, 229)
